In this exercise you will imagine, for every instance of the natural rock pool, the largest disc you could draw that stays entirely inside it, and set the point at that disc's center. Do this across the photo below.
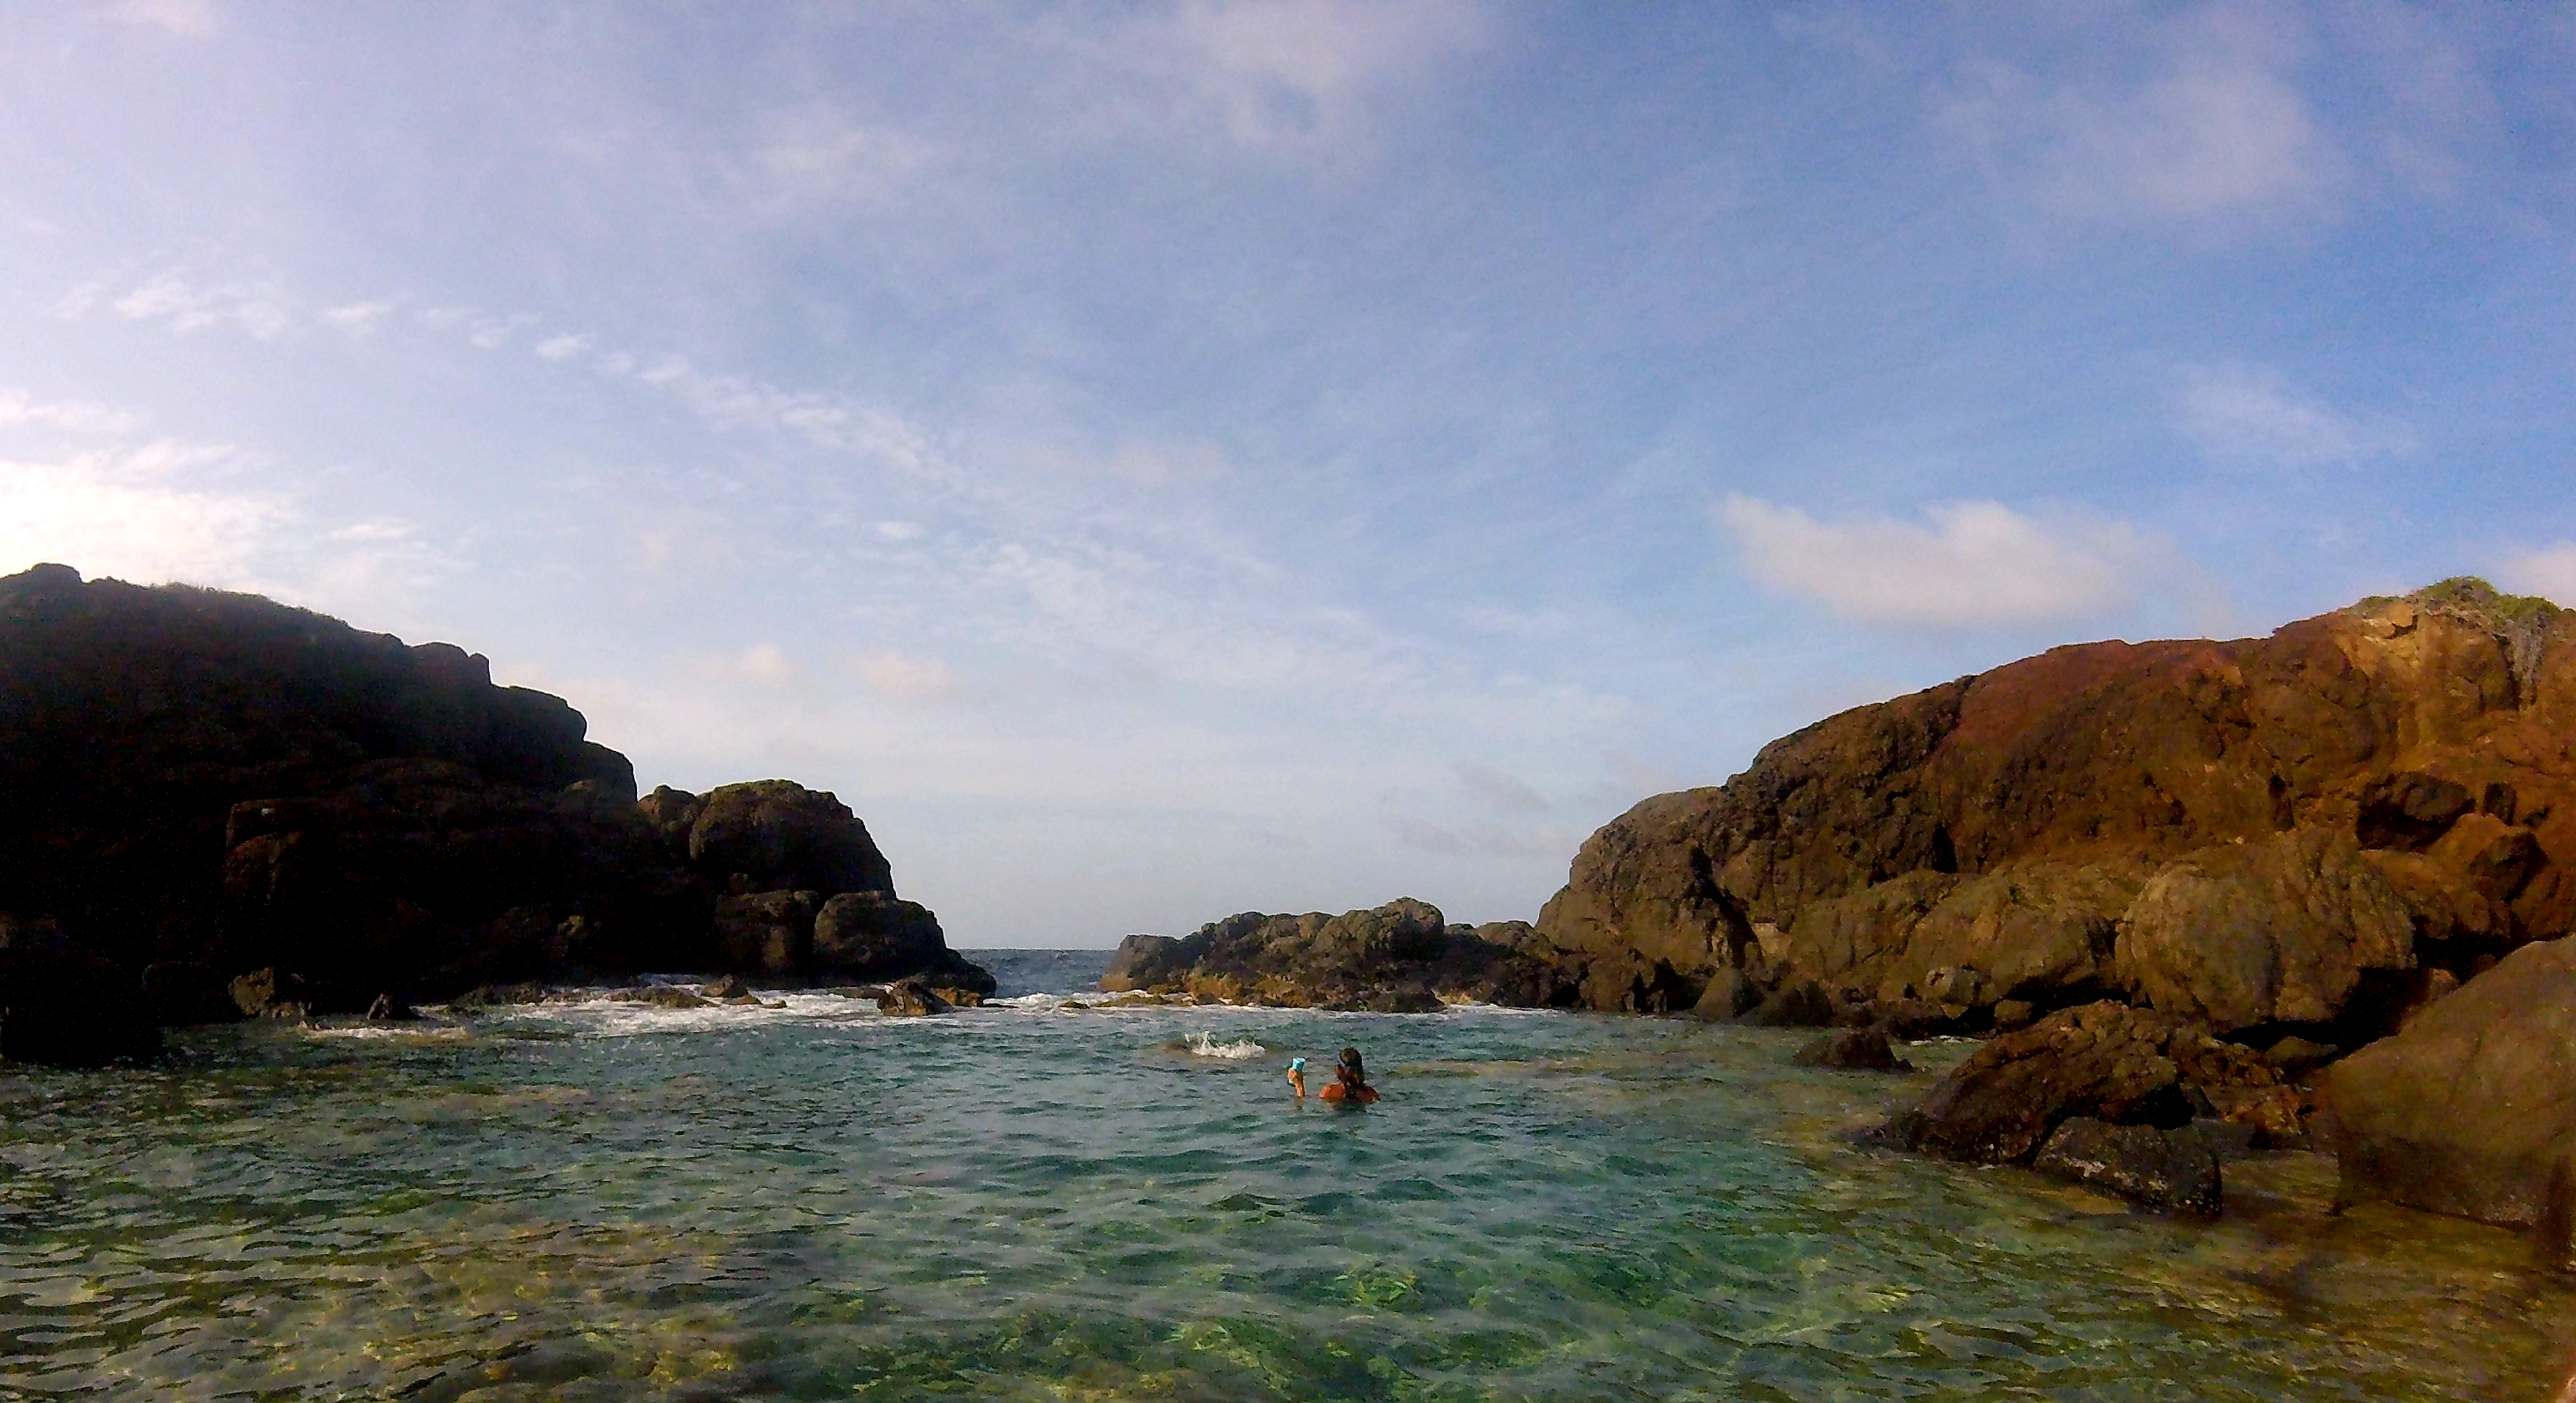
(610, 1201)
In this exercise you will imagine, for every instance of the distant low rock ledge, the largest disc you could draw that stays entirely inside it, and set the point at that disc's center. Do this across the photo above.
(1402, 957)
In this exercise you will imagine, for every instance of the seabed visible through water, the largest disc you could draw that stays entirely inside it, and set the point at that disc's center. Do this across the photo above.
(609, 1201)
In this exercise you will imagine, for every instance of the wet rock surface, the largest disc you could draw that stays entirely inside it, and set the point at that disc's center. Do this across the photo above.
(1853, 1049)
(2142, 1163)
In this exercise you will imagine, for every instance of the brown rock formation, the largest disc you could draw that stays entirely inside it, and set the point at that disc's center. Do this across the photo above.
(2471, 1109)
(2104, 1062)
(2288, 832)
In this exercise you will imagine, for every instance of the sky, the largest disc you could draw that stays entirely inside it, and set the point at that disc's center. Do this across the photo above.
(1160, 460)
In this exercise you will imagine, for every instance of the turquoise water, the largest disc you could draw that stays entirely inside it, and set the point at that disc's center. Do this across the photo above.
(1026, 1202)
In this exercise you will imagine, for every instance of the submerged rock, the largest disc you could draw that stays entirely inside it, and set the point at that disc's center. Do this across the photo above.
(1853, 1049)
(2142, 1163)
(663, 996)
(912, 998)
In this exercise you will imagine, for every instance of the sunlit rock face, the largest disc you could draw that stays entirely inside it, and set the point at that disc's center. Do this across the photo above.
(2313, 830)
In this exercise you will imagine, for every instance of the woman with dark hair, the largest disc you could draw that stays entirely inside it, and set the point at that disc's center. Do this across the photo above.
(1350, 1081)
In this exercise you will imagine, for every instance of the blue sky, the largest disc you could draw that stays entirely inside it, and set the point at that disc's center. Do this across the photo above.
(1155, 461)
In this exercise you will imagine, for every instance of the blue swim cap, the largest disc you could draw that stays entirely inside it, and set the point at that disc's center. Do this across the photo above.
(1296, 1064)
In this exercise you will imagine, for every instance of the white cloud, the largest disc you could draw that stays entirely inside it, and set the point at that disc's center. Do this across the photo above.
(17, 408)
(2549, 572)
(133, 515)
(1967, 565)
(2219, 130)
(900, 531)
(898, 677)
(562, 347)
(358, 318)
(255, 307)
(2245, 414)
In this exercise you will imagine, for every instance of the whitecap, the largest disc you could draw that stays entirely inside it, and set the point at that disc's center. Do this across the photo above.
(1204, 1044)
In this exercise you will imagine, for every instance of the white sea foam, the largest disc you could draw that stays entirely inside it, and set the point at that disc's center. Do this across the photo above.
(1204, 1044)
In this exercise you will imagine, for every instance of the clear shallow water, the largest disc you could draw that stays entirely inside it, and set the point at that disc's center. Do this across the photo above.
(612, 1202)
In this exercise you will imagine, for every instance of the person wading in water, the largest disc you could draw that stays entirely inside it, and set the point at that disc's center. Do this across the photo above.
(1349, 1086)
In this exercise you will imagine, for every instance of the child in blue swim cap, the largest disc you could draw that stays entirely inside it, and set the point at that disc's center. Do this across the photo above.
(1297, 1076)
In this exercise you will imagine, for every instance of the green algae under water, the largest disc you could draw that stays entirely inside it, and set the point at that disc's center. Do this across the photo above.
(614, 1202)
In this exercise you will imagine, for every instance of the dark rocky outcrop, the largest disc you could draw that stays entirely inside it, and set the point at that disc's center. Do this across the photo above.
(201, 786)
(2471, 1108)
(2103, 1062)
(2292, 833)
(2142, 1163)
(1398, 958)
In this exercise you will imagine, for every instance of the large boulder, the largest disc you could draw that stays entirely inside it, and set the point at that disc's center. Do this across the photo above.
(2471, 1108)
(2283, 930)
(771, 932)
(2104, 1062)
(775, 834)
(874, 935)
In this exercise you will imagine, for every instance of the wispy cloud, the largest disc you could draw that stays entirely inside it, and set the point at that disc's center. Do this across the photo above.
(2217, 129)
(818, 155)
(2247, 415)
(1298, 79)
(1965, 565)
(193, 19)
(17, 408)
(256, 307)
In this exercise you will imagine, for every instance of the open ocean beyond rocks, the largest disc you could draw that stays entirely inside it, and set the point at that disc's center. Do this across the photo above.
(609, 1201)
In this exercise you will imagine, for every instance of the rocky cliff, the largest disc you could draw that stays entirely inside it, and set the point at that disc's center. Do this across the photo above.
(198, 786)
(2187, 873)
(2310, 832)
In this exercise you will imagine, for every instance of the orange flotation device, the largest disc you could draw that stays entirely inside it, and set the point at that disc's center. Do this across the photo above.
(1356, 1096)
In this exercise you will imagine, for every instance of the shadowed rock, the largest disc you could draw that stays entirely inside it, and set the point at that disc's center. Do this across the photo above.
(2471, 1109)
(204, 786)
